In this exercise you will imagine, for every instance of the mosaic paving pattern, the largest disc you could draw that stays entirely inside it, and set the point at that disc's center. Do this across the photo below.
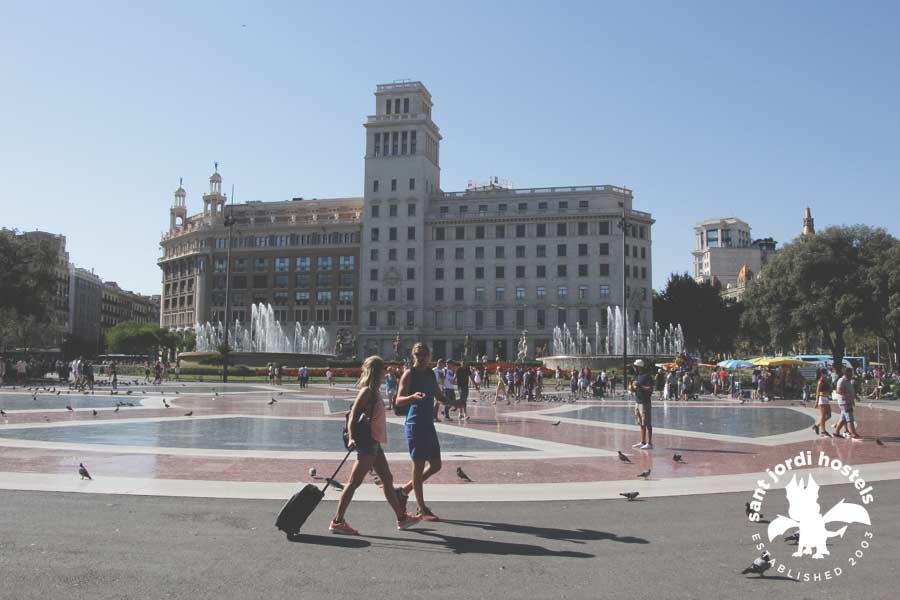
(720, 420)
(235, 433)
(52, 401)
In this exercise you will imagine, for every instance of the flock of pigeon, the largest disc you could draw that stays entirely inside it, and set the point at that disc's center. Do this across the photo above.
(645, 475)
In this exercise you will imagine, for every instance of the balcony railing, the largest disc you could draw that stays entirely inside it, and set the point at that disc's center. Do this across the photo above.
(531, 191)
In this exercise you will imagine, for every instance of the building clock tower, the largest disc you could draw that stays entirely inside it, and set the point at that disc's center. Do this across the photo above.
(402, 170)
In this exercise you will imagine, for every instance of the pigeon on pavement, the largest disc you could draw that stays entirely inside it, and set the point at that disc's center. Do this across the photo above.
(117, 408)
(129, 392)
(749, 510)
(557, 423)
(94, 411)
(189, 413)
(83, 472)
(760, 565)
(622, 457)
(645, 474)
(630, 495)
(166, 404)
(2, 413)
(69, 408)
(462, 475)
(677, 458)
(272, 401)
(879, 442)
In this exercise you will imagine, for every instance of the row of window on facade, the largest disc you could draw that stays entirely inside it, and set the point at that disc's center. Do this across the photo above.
(294, 239)
(540, 272)
(283, 281)
(519, 293)
(181, 287)
(304, 316)
(396, 105)
(523, 230)
(344, 297)
(283, 264)
(457, 319)
(394, 143)
(179, 302)
(540, 251)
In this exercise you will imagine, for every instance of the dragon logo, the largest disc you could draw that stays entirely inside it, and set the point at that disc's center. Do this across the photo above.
(804, 515)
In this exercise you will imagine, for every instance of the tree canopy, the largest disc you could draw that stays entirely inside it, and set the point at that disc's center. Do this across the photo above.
(27, 281)
(821, 286)
(709, 323)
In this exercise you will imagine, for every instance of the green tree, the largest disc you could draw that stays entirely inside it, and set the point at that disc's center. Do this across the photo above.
(709, 323)
(27, 280)
(882, 278)
(136, 338)
(816, 286)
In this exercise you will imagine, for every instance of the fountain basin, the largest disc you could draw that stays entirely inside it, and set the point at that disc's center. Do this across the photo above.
(597, 362)
(261, 359)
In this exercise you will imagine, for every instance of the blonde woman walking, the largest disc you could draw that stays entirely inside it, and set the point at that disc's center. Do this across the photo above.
(823, 401)
(367, 435)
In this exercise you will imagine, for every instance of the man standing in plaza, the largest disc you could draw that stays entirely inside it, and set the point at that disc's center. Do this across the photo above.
(846, 397)
(642, 386)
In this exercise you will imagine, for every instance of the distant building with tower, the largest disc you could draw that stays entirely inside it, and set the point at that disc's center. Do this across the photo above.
(410, 262)
(723, 247)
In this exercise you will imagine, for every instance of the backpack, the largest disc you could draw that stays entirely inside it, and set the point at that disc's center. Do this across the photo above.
(362, 429)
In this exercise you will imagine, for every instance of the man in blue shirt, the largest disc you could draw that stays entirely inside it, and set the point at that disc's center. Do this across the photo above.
(642, 387)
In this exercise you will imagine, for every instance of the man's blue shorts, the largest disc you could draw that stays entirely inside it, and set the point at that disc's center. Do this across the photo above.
(423, 443)
(847, 414)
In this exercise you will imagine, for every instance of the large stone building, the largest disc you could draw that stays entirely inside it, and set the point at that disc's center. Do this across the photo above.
(120, 306)
(724, 247)
(408, 261)
(85, 294)
(301, 256)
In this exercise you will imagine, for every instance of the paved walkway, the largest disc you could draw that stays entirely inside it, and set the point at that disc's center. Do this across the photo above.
(98, 547)
(237, 443)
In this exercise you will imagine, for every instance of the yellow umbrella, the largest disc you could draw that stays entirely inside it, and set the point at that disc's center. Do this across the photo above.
(776, 361)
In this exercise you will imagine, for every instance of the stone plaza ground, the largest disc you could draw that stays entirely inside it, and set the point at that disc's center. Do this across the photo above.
(182, 506)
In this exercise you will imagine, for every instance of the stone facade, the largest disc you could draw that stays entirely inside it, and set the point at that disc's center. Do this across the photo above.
(408, 261)
(85, 293)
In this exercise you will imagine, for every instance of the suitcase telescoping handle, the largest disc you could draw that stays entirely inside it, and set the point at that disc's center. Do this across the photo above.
(346, 456)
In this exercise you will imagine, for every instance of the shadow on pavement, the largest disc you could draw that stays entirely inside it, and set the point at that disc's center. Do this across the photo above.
(330, 540)
(461, 545)
(771, 578)
(576, 535)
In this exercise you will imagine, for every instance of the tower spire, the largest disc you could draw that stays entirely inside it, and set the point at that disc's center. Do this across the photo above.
(809, 227)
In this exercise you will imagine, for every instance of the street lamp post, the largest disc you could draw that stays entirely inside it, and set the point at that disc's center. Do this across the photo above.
(229, 223)
(623, 225)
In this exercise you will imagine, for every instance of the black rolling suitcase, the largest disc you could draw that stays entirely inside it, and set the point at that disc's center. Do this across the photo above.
(298, 508)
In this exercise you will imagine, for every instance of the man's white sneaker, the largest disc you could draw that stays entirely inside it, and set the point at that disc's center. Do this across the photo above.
(647, 447)
(638, 445)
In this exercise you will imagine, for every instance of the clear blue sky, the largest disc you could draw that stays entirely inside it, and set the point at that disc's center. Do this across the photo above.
(753, 110)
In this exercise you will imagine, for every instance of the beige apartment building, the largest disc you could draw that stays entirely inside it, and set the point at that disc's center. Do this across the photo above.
(725, 247)
(120, 306)
(300, 256)
(408, 261)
